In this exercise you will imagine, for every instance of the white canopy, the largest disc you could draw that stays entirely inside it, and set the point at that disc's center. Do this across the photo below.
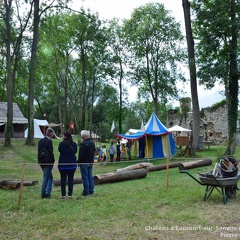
(178, 128)
(132, 131)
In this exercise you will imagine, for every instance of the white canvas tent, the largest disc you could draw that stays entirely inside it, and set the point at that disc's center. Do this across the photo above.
(132, 131)
(178, 128)
(37, 131)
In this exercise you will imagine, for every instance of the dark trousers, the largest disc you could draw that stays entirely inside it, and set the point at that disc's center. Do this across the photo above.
(111, 157)
(67, 176)
(118, 156)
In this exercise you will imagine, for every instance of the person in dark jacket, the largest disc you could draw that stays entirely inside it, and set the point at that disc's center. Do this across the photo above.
(118, 151)
(67, 163)
(46, 162)
(86, 159)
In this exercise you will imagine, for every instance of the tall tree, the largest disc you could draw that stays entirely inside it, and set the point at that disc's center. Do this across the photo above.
(118, 58)
(87, 35)
(33, 61)
(193, 75)
(154, 40)
(217, 29)
(32, 71)
(13, 40)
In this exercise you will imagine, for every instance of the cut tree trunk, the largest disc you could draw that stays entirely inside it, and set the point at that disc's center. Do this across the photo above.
(15, 184)
(135, 166)
(163, 167)
(57, 182)
(120, 176)
(195, 164)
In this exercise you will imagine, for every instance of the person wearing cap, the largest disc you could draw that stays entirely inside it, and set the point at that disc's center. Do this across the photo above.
(46, 162)
(85, 160)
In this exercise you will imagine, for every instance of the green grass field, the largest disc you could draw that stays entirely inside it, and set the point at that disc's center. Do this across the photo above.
(135, 209)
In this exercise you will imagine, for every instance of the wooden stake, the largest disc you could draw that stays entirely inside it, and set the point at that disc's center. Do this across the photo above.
(167, 172)
(21, 185)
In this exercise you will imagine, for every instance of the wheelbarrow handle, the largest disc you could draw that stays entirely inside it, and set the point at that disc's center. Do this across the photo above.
(189, 174)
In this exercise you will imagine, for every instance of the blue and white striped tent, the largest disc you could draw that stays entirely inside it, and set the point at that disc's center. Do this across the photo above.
(153, 141)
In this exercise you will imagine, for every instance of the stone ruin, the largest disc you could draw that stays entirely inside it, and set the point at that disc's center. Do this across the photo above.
(213, 122)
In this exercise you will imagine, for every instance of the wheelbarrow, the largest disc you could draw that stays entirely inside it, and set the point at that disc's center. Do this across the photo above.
(225, 186)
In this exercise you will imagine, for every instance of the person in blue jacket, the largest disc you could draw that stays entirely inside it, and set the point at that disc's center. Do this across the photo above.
(67, 163)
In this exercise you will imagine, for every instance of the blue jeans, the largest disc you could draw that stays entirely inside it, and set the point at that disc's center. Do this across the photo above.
(87, 179)
(67, 176)
(47, 180)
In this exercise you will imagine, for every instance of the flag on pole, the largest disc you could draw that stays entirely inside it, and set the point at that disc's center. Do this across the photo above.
(113, 126)
(142, 127)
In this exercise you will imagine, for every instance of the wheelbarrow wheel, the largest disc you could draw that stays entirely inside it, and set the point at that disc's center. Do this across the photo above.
(230, 192)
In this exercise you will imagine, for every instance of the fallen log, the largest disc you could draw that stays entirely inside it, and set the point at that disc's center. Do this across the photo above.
(195, 164)
(57, 182)
(163, 167)
(135, 166)
(120, 176)
(15, 184)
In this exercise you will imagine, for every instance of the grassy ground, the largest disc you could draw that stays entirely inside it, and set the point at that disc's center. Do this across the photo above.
(137, 209)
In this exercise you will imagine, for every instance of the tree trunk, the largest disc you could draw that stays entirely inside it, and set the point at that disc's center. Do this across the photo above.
(163, 167)
(32, 74)
(233, 84)
(120, 176)
(135, 166)
(15, 184)
(195, 164)
(57, 182)
(8, 127)
(120, 116)
(193, 78)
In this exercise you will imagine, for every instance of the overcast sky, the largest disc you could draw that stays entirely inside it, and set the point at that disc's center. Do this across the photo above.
(109, 9)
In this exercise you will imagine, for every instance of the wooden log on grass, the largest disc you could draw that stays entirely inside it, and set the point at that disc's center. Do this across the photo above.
(120, 176)
(135, 166)
(15, 184)
(195, 164)
(163, 167)
(57, 182)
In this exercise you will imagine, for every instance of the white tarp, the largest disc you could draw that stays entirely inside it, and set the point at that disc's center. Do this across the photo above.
(178, 128)
(37, 131)
(132, 131)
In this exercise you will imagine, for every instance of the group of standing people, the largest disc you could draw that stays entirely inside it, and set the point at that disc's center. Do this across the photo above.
(67, 163)
(120, 151)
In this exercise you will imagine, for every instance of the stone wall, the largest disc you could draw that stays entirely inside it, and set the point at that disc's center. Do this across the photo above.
(214, 123)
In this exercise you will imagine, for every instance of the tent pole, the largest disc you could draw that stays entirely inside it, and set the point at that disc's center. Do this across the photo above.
(167, 173)
(147, 147)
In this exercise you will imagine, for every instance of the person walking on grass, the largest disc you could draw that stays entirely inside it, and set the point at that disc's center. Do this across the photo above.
(85, 160)
(118, 151)
(123, 152)
(67, 163)
(46, 161)
(112, 151)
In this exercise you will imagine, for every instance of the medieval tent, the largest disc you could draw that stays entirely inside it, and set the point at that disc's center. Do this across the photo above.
(39, 127)
(18, 123)
(181, 135)
(178, 128)
(154, 142)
